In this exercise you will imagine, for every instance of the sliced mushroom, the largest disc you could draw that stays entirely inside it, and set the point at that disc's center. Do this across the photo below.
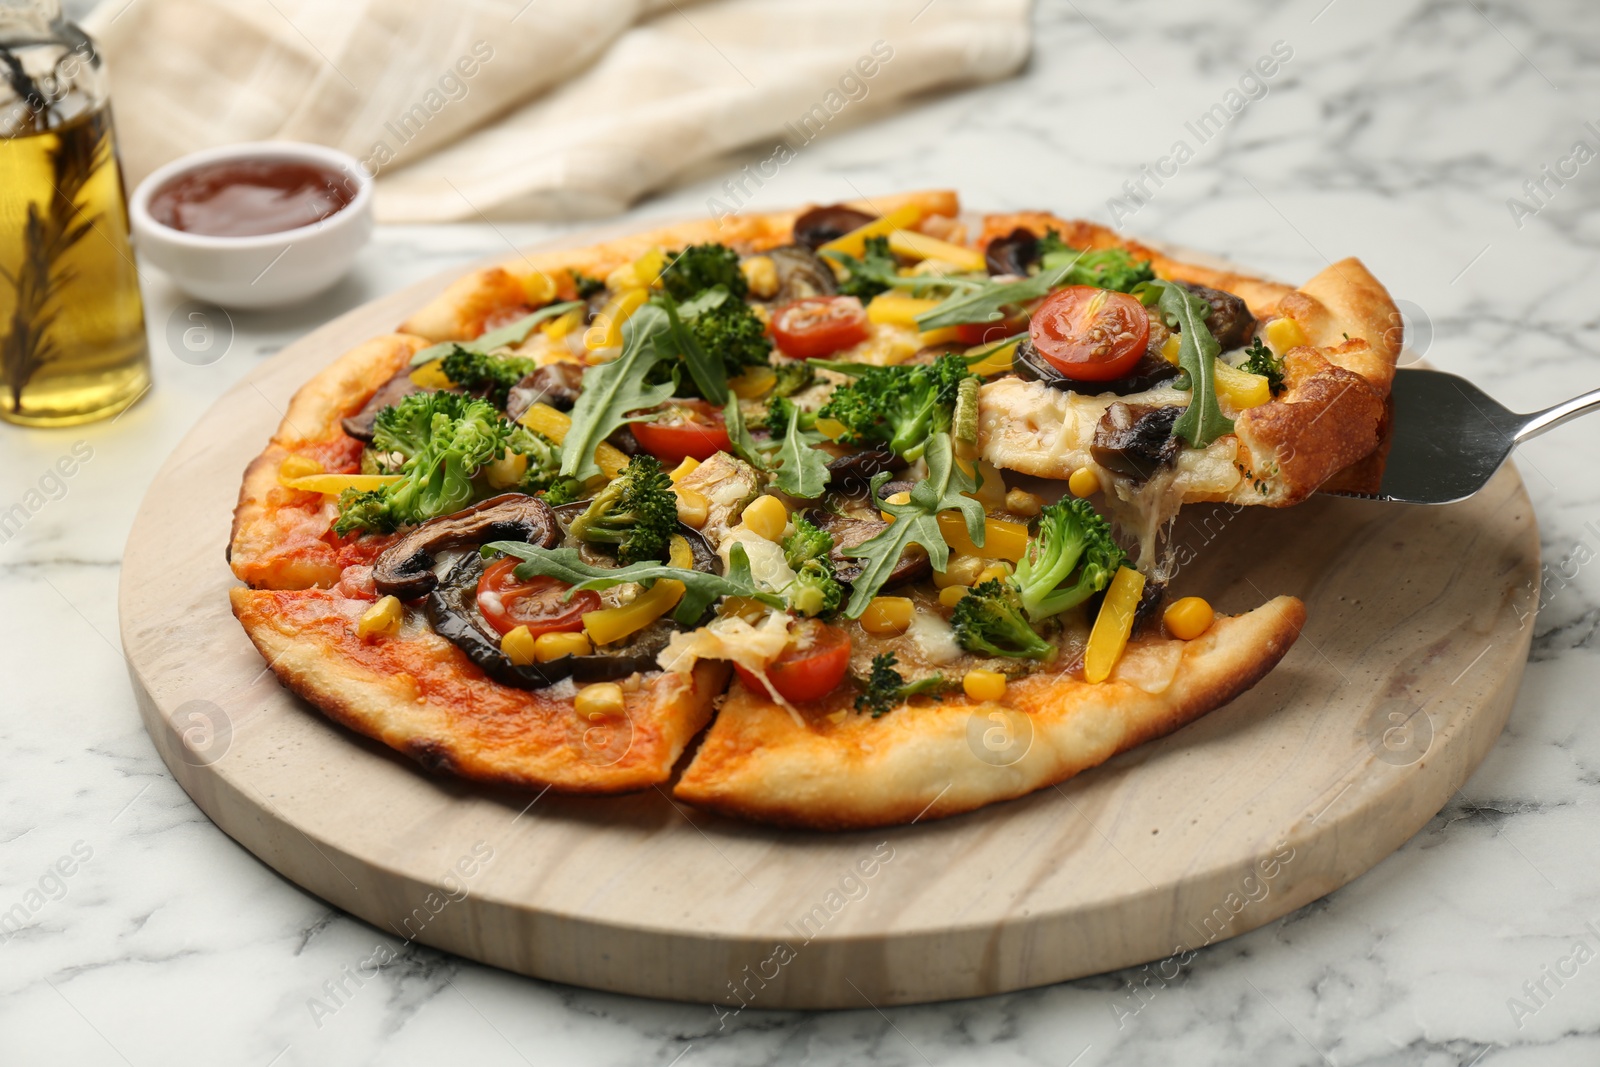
(1012, 254)
(849, 531)
(396, 389)
(801, 273)
(453, 611)
(1229, 320)
(1149, 372)
(405, 569)
(557, 384)
(852, 474)
(820, 225)
(1135, 440)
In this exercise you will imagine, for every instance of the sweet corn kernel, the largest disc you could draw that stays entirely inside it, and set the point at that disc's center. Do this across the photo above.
(951, 595)
(754, 383)
(693, 508)
(766, 516)
(961, 570)
(1283, 334)
(382, 619)
(539, 288)
(901, 497)
(1188, 618)
(547, 647)
(602, 700)
(1241, 388)
(1084, 483)
(888, 615)
(298, 467)
(684, 469)
(1000, 570)
(761, 274)
(506, 471)
(1021, 502)
(520, 646)
(984, 685)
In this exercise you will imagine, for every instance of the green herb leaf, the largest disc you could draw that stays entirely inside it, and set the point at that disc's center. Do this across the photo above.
(1202, 421)
(700, 588)
(707, 371)
(916, 523)
(802, 467)
(744, 446)
(987, 302)
(611, 391)
(513, 334)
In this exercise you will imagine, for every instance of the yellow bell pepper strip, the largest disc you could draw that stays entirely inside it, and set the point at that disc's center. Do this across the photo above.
(754, 383)
(854, 243)
(920, 246)
(1109, 637)
(431, 376)
(1241, 388)
(898, 309)
(1002, 539)
(613, 624)
(334, 484)
(546, 420)
(993, 361)
(607, 329)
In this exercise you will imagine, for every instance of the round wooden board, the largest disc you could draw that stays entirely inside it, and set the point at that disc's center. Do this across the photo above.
(1420, 620)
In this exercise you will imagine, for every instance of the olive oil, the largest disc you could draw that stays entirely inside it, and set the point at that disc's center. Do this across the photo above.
(72, 340)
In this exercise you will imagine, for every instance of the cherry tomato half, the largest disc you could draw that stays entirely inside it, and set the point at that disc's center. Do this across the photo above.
(1089, 334)
(683, 428)
(810, 666)
(819, 326)
(538, 603)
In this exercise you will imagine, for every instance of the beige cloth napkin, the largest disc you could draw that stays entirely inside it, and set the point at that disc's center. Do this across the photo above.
(543, 109)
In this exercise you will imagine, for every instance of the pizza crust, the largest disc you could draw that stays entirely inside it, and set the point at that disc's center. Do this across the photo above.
(420, 695)
(923, 759)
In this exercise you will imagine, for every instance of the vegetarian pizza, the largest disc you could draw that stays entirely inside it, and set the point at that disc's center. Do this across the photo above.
(833, 518)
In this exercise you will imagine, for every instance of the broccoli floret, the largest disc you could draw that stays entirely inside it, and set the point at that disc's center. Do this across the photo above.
(1260, 360)
(793, 377)
(1105, 268)
(491, 375)
(869, 274)
(586, 285)
(563, 491)
(989, 620)
(444, 439)
(901, 406)
(637, 512)
(731, 330)
(815, 591)
(808, 542)
(885, 689)
(780, 412)
(544, 459)
(1072, 535)
(699, 267)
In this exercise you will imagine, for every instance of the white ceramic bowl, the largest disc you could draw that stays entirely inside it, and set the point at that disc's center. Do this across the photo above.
(268, 270)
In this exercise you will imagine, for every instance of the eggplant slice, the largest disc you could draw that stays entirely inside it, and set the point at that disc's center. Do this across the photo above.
(1149, 372)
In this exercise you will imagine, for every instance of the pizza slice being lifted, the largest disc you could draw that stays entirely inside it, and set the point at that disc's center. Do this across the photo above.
(755, 476)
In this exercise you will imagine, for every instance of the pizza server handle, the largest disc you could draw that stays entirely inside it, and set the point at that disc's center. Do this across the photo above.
(1548, 419)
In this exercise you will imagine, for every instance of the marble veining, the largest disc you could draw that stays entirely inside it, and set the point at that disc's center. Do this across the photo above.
(1398, 131)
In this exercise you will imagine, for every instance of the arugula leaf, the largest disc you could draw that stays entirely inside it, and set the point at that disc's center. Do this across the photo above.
(744, 446)
(700, 588)
(513, 334)
(708, 371)
(1104, 268)
(986, 302)
(802, 467)
(916, 522)
(612, 390)
(1202, 421)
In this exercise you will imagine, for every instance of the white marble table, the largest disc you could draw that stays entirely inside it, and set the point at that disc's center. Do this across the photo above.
(1396, 131)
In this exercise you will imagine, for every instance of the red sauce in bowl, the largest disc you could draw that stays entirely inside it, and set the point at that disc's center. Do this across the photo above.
(251, 197)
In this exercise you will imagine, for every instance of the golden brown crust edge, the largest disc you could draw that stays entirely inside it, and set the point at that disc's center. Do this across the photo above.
(515, 738)
(756, 763)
